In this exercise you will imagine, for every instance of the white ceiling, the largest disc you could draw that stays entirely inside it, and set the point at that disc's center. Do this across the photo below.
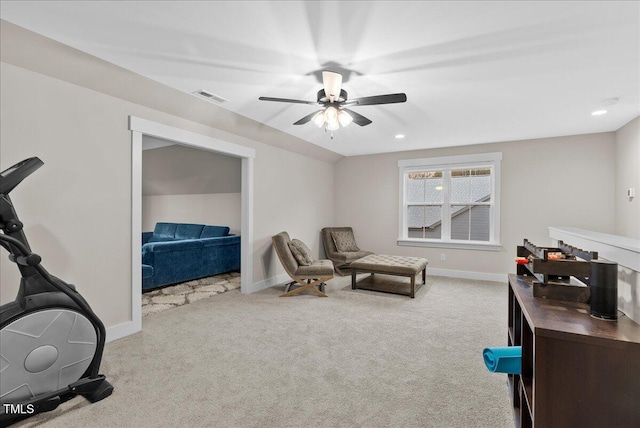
(473, 72)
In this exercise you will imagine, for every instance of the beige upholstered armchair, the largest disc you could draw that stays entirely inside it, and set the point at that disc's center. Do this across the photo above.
(341, 248)
(300, 266)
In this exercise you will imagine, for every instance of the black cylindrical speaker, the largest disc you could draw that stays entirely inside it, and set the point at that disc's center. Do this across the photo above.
(603, 284)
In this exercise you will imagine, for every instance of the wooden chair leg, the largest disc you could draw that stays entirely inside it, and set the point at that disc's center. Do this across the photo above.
(295, 291)
(308, 285)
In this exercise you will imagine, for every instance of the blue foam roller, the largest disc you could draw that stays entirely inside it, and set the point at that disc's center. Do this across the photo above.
(507, 359)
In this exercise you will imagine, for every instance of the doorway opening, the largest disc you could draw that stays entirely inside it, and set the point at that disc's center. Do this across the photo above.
(142, 127)
(188, 188)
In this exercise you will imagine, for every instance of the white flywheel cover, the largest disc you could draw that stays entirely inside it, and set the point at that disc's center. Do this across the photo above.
(44, 351)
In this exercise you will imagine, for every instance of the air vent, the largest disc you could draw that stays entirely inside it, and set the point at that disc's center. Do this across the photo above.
(209, 96)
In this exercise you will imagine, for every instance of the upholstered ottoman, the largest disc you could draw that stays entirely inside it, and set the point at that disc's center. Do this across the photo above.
(390, 265)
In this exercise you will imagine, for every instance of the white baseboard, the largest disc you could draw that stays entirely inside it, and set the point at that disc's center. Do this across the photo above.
(122, 330)
(269, 282)
(482, 276)
(131, 327)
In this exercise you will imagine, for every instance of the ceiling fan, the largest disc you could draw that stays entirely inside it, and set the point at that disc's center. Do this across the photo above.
(334, 100)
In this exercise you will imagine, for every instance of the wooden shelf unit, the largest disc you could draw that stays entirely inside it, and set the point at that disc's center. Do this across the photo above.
(555, 275)
(576, 370)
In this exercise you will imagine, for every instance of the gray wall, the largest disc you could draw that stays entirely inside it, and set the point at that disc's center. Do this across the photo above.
(628, 175)
(72, 111)
(179, 170)
(564, 181)
(220, 209)
(185, 185)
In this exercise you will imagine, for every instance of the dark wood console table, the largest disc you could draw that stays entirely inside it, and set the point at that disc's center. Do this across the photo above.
(577, 371)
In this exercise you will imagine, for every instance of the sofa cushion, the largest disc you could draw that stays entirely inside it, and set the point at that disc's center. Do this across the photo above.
(163, 232)
(344, 241)
(214, 231)
(301, 252)
(317, 269)
(188, 231)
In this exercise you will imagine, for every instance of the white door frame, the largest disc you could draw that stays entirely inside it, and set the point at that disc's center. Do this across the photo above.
(140, 127)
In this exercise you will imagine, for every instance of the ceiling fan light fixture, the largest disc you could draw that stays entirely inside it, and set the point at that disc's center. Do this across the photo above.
(331, 114)
(333, 125)
(318, 118)
(332, 84)
(331, 118)
(344, 118)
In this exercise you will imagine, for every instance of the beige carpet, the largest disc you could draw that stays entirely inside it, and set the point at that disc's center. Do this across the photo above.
(354, 359)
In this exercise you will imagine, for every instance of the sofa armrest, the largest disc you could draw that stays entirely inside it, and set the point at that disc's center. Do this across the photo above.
(146, 236)
(147, 254)
(163, 247)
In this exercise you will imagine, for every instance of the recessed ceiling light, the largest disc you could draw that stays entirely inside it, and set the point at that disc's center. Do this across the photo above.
(599, 113)
(399, 136)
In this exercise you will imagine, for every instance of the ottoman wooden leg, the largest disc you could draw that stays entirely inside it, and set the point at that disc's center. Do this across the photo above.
(353, 279)
(413, 286)
(424, 275)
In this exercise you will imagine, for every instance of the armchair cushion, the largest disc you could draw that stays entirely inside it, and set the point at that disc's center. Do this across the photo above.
(319, 268)
(301, 252)
(344, 241)
(306, 277)
(341, 259)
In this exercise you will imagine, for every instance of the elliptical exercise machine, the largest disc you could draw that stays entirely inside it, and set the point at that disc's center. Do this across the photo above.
(51, 342)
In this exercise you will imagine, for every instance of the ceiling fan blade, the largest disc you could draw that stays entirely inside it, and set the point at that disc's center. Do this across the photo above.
(287, 100)
(332, 85)
(380, 99)
(306, 119)
(358, 118)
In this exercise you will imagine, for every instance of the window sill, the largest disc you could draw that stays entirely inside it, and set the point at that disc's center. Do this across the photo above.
(484, 246)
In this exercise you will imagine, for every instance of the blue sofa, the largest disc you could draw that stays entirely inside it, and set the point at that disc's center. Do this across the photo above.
(178, 252)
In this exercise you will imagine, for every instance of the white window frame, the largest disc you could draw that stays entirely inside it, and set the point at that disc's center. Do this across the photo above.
(446, 164)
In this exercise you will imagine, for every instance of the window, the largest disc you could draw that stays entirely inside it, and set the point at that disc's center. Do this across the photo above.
(451, 201)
